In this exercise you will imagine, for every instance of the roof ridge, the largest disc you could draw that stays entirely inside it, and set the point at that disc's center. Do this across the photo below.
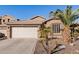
(36, 17)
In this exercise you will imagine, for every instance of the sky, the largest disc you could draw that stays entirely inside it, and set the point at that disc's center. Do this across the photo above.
(25, 12)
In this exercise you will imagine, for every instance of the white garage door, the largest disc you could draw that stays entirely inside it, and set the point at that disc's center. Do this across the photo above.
(24, 32)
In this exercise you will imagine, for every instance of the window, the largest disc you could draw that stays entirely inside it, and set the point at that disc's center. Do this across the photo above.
(8, 20)
(0, 21)
(56, 28)
(3, 20)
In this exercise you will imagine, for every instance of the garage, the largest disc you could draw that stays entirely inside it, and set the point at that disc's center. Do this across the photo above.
(25, 32)
(25, 28)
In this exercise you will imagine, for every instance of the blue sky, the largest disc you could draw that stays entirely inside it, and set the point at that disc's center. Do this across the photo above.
(28, 11)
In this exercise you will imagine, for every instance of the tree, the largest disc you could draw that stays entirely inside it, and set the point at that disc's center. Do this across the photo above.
(46, 34)
(44, 31)
(67, 16)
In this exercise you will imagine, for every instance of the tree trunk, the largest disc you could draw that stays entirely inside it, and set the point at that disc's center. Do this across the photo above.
(45, 46)
(66, 34)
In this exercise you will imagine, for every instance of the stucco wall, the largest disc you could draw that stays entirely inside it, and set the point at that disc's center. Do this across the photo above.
(51, 22)
(63, 35)
(6, 19)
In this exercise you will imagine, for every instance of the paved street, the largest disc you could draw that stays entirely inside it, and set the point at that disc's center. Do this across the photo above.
(17, 46)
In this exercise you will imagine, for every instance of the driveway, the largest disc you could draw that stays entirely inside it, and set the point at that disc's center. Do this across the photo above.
(17, 46)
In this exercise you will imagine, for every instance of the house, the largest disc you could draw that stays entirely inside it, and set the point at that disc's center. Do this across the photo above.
(20, 29)
(3, 26)
(29, 28)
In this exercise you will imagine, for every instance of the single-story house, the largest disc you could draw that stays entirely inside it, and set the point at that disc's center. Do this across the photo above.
(20, 29)
(29, 28)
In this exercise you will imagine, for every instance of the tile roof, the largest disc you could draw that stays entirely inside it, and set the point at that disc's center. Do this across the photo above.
(34, 20)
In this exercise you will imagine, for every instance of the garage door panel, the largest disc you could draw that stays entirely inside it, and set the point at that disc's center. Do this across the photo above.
(24, 32)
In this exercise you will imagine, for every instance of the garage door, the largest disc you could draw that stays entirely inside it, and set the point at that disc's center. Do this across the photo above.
(24, 32)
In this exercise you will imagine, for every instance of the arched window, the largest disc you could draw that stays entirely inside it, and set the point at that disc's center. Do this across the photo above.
(3, 20)
(0, 21)
(8, 20)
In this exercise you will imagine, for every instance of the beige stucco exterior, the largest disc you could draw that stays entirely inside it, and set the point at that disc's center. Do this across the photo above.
(54, 21)
(7, 22)
(59, 35)
(64, 35)
(4, 28)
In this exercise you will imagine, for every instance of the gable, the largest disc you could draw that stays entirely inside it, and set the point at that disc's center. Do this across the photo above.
(51, 22)
(39, 18)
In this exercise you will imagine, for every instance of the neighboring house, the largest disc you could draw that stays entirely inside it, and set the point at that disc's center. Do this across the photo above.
(29, 28)
(3, 26)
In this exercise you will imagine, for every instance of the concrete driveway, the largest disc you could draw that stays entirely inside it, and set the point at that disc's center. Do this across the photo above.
(17, 46)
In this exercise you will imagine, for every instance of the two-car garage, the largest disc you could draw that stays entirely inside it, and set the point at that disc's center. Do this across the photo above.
(25, 28)
(24, 32)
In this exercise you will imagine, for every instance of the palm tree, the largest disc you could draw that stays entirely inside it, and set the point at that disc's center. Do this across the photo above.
(67, 16)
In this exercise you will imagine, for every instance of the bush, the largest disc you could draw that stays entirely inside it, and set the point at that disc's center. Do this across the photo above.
(2, 35)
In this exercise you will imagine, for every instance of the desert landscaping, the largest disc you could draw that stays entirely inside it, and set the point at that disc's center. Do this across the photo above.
(59, 34)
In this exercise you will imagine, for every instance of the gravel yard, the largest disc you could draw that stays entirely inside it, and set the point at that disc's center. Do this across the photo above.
(68, 50)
